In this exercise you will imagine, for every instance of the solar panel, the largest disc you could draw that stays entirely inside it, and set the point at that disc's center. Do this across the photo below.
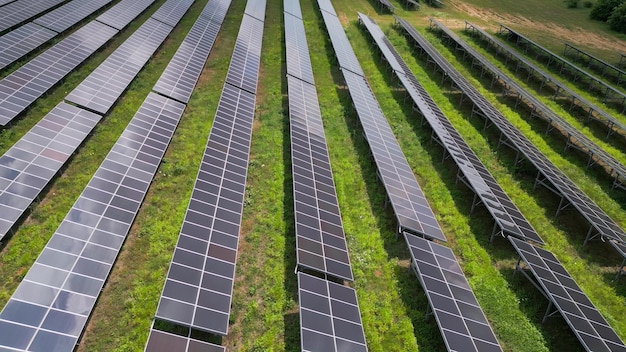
(256, 9)
(21, 10)
(69, 14)
(172, 11)
(330, 319)
(320, 240)
(4, 2)
(405, 195)
(22, 87)
(22, 41)
(120, 15)
(292, 7)
(589, 326)
(343, 50)
(244, 64)
(508, 217)
(574, 137)
(101, 89)
(160, 341)
(54, 300)
(462, 323)
(601, 225)
(327, 6)
(298, 60)
(29, 165)
(181, 74)
(199, 284)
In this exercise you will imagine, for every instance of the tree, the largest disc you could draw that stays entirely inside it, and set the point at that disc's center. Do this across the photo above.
(602, 10)
(617, 20)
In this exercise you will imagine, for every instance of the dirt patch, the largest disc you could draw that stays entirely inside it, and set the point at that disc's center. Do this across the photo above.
(577, 36)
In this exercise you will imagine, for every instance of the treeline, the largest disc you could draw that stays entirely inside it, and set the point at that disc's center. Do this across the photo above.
(612, 12)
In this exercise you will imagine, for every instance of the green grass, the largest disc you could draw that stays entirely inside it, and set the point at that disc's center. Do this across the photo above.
(265, 308)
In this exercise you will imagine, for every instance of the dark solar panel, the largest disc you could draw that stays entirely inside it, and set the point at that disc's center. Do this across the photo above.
(182, 73)
(589, 326)
(101, 89)
(69, 14)
(298, 60)
(21, 10)
(343, 50)
(22, 87)
(22, 41)
(29, 165)
(199, 284)
(54, 300)
(160, 341)
(462, 323)
(320, 240)
(406, 197)
(172, 11)
(330, 319)
(601, 224)
(256, 9)
(244, 64)
(292, 7)
(120, 15)
(508, 217)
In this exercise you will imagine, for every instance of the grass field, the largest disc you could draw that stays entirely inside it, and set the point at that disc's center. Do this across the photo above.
(265, 305)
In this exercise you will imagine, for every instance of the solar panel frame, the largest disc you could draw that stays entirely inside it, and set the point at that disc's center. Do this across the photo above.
(182, 73)
(22, 10)
(320, 239)
(161, 341)
(70, 14)
(124, 12)
(330, 318)
(463, 324)
(22, 87)
(297, 50)
(208, 240)
(589, 326)
(172, 11)
(21, 41)
(101, 89)
(245, 61)
(54, 300)
(32, 162)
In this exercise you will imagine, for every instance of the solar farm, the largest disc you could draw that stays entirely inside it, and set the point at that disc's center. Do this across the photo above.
(310, 175)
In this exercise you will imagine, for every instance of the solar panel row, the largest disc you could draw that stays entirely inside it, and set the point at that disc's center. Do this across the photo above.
(21, 41)
(22, 87)
(405, 195)
(29, 165)
(70, 14)
(256, 9)
(604, 68)
(4, 2)
(244, 64)
(574, 137)
(589, 326)
(172, 11)
(507, 216)
(120, 15)
(461, 321)
(199, 284)
(21, 10)
(601, 225)
(320, 239)
(341, 45)
(101, 89)
(54, 300)
(182, 73)
(609, 93)
(330, 319)
(293, 8)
